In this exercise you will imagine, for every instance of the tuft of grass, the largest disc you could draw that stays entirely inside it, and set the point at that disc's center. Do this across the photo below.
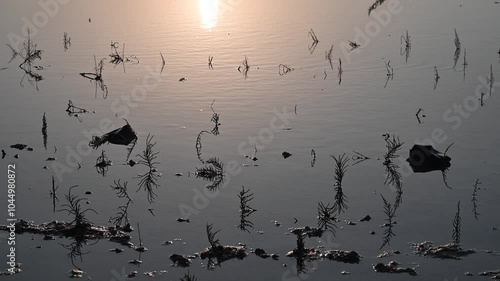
(29, 53)
(340, 204)
(74, 208)
(121, 217)
(214, 243)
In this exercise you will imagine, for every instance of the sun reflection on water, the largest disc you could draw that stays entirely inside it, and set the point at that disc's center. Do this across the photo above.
(209, 10)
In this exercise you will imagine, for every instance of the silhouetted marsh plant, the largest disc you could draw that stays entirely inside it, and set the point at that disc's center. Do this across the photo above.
(149, 179)
(74, 208)
(375, 5)
(245, 210)
(215, 119)
(210, 62)
(474, 199)
(102, 163)
(340, 204)
(121, 217)
(314, 42)
(44, 130)
(328, 56)
(457, 224)
(340, 71)
(199, 146)
(96, 77)
(393, 176)
(75, 249)
(326, 217)
(53, 194)
(29, 53)
(284, 69)
(66, 41)
(390, 213)
(214, 242)
(405, 50)
(390, 72)
(120, 58)
(244, 67)
(213, 173)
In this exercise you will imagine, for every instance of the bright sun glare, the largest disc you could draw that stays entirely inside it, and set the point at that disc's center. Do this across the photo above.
(209, 10)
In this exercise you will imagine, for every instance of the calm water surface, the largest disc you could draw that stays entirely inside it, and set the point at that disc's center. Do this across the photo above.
(330, 118)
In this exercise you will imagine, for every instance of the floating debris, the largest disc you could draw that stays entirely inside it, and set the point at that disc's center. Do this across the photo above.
(102, 163)
(51, 159)
(116, 250)
(446, 251)
(366, 218)
(495, 274)
(424, 158)
(385, 254)
(117, 58)
(341, 256)
(182, 79)
(286, 154)
(308, 231)
(393, 267)
(183, 220)
(353, 45)
(19, 146)
(244, 67)
(121, 136)
(180, 260)
(3, 154)
(76, 273)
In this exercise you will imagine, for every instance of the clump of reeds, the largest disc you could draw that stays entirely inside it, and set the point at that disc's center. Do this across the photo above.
(74, 208)
(213, 173)
(214, 243)
(340, 204)
(393, 176)
(245, 210)
(244, 67)
(66, 41)
(188, 277)
(314, 42)
(29, 53)
(149, 179)
(375, 5)
(474, 199)
(44, 131)
(407, 46)
(96, 77)
(326, 217)
(284, 69)
(390, 213)
(328, 56)
(457, 225)
(210, 62)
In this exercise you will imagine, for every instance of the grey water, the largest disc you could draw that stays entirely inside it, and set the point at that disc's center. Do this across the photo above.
(305, 109)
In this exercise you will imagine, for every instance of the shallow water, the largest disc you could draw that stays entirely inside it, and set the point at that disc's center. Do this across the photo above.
(330, 118)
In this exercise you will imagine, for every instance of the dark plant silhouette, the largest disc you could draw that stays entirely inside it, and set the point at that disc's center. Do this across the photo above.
(214, 172)
(74, 208)
(76, 249)
(66, 41)
(436, 77)
(210, 62)
(162, 63)
(102, 163)
(120, 58)
(328, 56)
(96, 77)
(339, 75)
(245, 211)
(390, 213)
(121, 217)
(313, 154)
(340, 204)
(188, 277)
(44, 131)
(466, 63)
(244, 67)
(149, 179)
(406, 48)
(375, 5)
(457, 224)
(326, 217)
(474, 199)
(491, 79)
(393, 176)
(458, 48)
(390, 72)
(53, 194)
(359, 157)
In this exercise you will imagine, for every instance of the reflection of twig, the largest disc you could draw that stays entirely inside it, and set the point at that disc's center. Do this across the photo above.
(328, 56)
(149, 179)
(162, 63)
(215, 119)
(418, 116)
(339, 75)
(66, 41)
(341, 165)
(393, 176)
(284, 69)
(210, 64)
(458, 47)
(436, 77)
(390, 213)
(121, 217)
(102, 164)
(244, 67)
(353, 45)
(375, 5)
(245, 211)
(315, 41)
(390, 72)
(491, 79)
(29, 54)
(117, 58)
(407, 47)
(188, 277)
(466, 63)
(313, 154)
(474, 199)
(482, 99)
(457, 225)
(213, 173)
(53, 195)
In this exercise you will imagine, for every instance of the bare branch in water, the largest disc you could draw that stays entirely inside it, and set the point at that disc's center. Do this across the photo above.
(29, 53)
(162, 63)
(490, 79)
(120, 58)
(188, 277)
(53, 195)
(339, 75)
(66, 41)
(102, 163)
